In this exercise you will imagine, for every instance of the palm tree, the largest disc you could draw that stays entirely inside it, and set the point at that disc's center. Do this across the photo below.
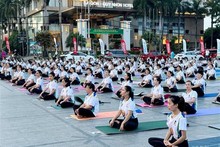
(213, 7)
(198, 9)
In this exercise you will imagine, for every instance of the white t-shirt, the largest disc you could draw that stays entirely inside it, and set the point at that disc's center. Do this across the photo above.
(93, 101)
(57, 72)
(189, 96)
(158, 72)
(108, 82)
(180, 74)
(67, 91)
(125, 106)
(74, 75)
(170, 81)
(177, 124)
(39, 82)
(200, 81)
(114, 73)
(31, 77)
(157, 90)
(148, 78)
(126, 83)
(63, 74)
(53, 85)
(211, 72)
(90, 78)
(21, 74)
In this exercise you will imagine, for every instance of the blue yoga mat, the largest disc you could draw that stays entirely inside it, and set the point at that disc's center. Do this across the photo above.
(203, 112)
(209, 95)
(214, 142)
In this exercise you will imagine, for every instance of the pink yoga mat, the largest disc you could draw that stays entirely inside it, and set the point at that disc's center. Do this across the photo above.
(22, 89)
(100, 115)
(79, 88)
(150, 106)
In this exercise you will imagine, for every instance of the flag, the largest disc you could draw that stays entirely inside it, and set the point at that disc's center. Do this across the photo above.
(102, 46)
(144, 44)
(74, 46)
(218, 47)
(168, 46)
(202, 47)
(184, 46)
(55, 42)
(7, 44)
(123, 46)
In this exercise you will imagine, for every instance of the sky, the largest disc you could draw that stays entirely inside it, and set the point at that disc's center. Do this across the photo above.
(207, 22)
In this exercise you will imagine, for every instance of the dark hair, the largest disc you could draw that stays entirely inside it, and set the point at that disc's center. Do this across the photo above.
(188, 81)
(67, 81)
(179, 67)
(158, 79)
(178, 100)
(91, 86)
(170, 72)
(131, 93)
(148, 70)
(90, 70)
(40, 72)
(52, 73)
(129, 76)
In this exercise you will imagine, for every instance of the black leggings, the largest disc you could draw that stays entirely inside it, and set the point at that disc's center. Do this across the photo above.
(30, 85)
(21, 82)
(36, 90)
(105, 89)
(147, 85)
(199, 91)
(83, 112)
(115, 79)
(99, 75)
(46, 96)
(181, 81)
(189, 109)
(65, 104)
(167, 89)
(155, 102)
(211, 78)
(75, 82)
(118, 93)
(158, 142)
(130, 125)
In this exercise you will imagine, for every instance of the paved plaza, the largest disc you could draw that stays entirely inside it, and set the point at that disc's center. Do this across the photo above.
(26, 121)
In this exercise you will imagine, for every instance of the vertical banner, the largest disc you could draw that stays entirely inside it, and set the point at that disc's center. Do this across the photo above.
(218, 47)
(184, 46)
(202, 47)
(74, 46)
(55, 42)
(7, 44)
(102, 46)
(123, 46)
(144, 44)
(168, 47)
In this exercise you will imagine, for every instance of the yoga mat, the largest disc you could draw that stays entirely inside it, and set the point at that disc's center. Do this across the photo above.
(209, 95)
(179, 90)
(100, 115)
(117, 98)
(215, 126)
(56, 107)
(22, 89)
(142, 126)
(216, 102)
(80, 88)
(208, 142)
(150, 106)
(203, 112)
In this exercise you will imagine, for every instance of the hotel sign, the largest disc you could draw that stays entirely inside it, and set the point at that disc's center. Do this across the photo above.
(106, 31)
(108, 4)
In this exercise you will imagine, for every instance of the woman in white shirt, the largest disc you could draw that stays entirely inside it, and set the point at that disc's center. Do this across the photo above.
(63, 73)
(45, 70)
(20, 76)
(177, 124)
(74, 77)
(37, 88)
(66, 98)
(106, 85)
(199, 84)
(31, 79)
(127, 82)
(147, 79)
(114, 73)
(90, 107)
(50, 91)
(89, 77)
(190, 98)
(156, 95)
(211, 73)
(180, 77)
(170, 83)
(127, 110)
(98, 71)
(190, 71)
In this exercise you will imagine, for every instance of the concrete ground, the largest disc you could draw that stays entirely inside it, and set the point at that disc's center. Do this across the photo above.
(28, 122)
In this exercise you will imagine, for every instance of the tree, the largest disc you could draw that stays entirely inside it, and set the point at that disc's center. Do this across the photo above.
(45, 39)
(198, 9)
(213, 7)
(81, 41)
(208, 36)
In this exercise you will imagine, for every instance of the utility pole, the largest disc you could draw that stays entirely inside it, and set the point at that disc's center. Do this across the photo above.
(60, 22)
(27, 36)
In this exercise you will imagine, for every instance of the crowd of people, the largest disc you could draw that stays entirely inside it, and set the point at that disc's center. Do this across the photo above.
(160, 75)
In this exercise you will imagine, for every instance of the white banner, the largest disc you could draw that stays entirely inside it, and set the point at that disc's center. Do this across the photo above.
(184, 45)
(144, 44)
(102, 46)
(55, 42)
(218, 47)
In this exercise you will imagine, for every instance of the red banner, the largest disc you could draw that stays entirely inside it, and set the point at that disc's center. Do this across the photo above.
(202, 47)
(168, 46)
(7, 44)
(75, 46)
(123, 46)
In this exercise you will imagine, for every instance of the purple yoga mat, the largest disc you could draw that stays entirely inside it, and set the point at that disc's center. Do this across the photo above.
(203, 112)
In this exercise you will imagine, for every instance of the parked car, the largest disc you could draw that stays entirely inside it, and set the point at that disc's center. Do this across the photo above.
(153, 55)
(189, 55)
(116, 53)
(77, 56)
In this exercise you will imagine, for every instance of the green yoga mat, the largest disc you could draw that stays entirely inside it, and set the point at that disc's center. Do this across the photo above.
(143, 126)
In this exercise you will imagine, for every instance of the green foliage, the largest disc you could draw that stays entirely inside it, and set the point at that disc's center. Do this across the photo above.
(173, 46)
(45, 39)
(81, 41)
(151, 39)
(216, 35)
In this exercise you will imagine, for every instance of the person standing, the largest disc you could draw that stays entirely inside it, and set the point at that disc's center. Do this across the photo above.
(177, 126)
